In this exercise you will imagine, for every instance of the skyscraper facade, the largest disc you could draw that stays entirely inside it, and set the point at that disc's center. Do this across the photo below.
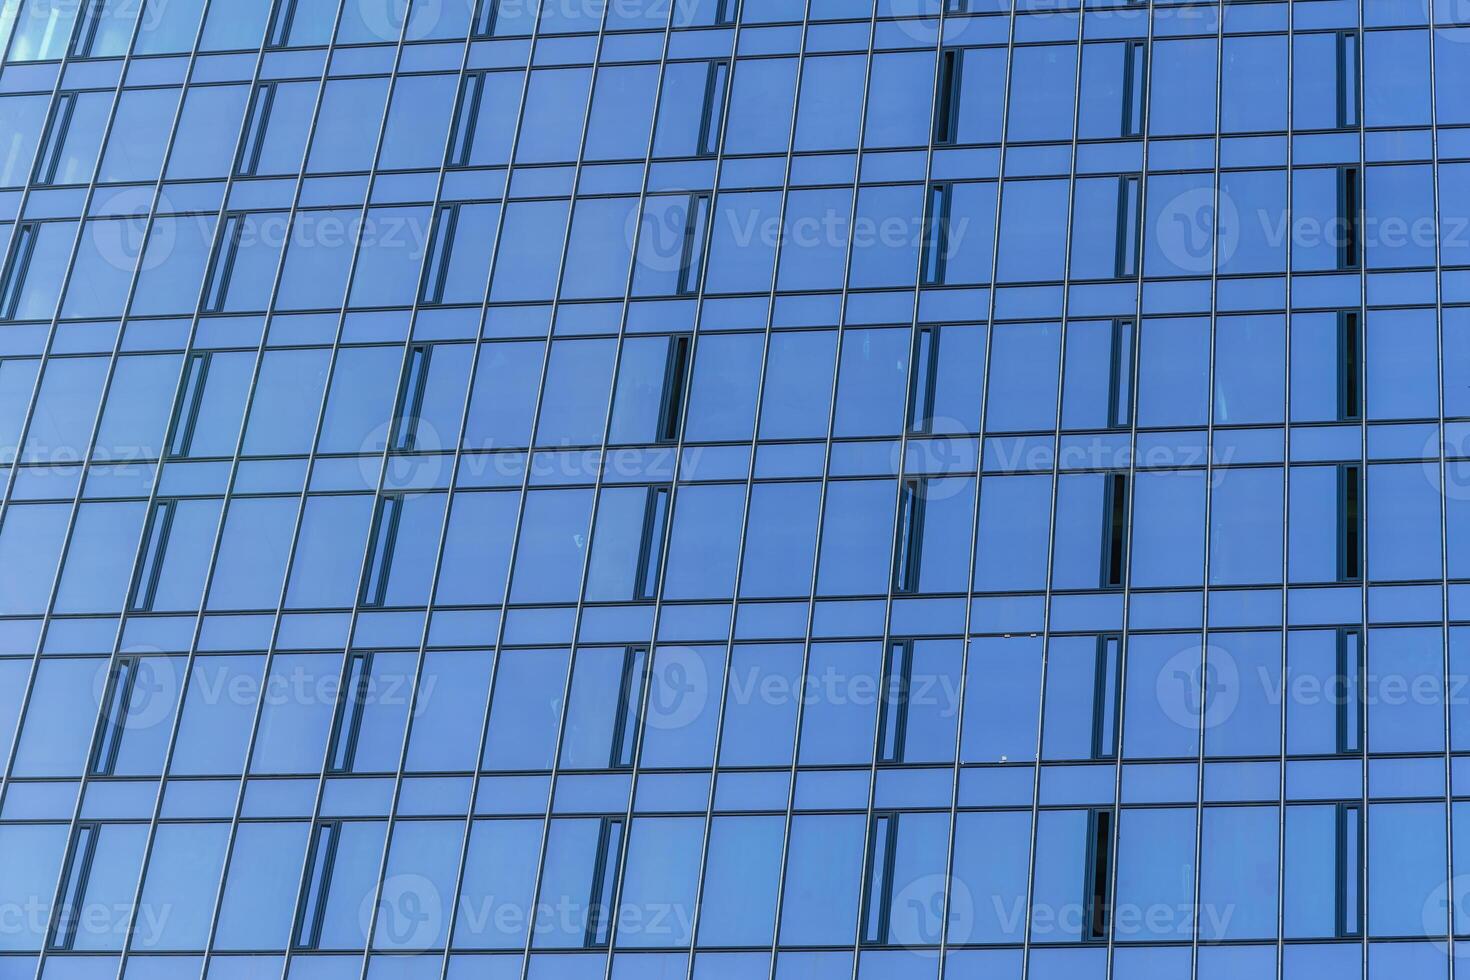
(734, 489)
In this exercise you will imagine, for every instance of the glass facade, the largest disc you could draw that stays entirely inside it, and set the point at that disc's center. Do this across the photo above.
(734, 489)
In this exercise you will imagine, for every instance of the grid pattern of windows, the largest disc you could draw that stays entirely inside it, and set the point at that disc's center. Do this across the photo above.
(780, 489)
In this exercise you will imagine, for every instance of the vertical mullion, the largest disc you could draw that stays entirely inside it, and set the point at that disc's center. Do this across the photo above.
(1449, 682)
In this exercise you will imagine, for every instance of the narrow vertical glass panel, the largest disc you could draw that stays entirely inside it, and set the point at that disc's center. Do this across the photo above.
(696, 229)
(191, 396)
(222, 263)
(1135, 84)
(256, 120)
(313, 901)
(651, 550)
(1347, 690)
(1349, 70)
(604, 884)
(482, 22)
(116, 697)
(676, 375)
(910, 536)
(150, 565)
(894, 706)
(278, 29)
(936, 233)
(298, 23)
(22, 244)
(1099, 875)
(947, 96)
(53, 141)
(876, 906)
(1115, 530)
(347, 723)
(73, 887)
(1349, 366)
(1106, 694)
(631, 686)
(435, 268)
(466, 118)
(380, 551)
(924, 380)
(1128, 241)
(1349, 211)
(411, 398)
(1349, 523)
(712, 119)
(1120, 383)
(1349, 870)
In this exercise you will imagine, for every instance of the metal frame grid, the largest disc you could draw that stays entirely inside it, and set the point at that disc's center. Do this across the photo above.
(939, 19)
